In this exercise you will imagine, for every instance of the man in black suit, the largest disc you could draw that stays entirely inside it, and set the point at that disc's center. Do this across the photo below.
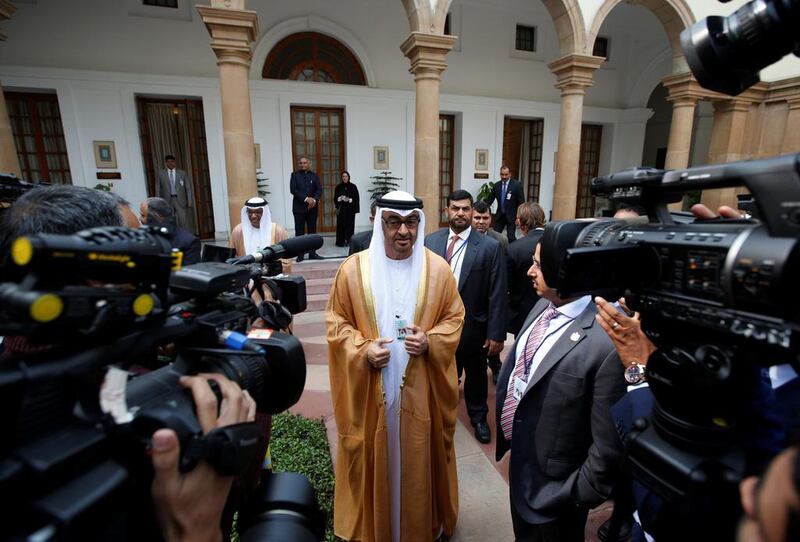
(554, 398)
(361, 240)
(306, 191)
(509, 195)
(157, 212)
(478, 265)
(521, 295)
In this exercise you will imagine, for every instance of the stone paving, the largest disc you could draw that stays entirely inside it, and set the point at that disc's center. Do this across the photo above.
(483, 483)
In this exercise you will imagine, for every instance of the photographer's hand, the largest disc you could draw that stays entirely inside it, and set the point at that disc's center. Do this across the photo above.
(189, 505)
(625, 332)
(704, 213)
(417, 342)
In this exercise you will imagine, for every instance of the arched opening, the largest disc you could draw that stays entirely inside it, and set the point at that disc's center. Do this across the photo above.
(311, 56)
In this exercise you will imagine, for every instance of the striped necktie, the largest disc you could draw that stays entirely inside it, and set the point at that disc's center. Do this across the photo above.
(535, 339)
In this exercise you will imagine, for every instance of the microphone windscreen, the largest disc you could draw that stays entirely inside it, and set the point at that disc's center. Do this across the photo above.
(296, 246)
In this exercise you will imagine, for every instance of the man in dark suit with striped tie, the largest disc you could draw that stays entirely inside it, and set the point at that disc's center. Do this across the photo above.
(554, 396)
(478, 265)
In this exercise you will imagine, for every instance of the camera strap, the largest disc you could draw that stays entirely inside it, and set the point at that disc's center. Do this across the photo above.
(230, 449)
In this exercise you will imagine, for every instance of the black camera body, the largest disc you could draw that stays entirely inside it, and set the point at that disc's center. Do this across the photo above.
(719, 299)
(74, 463)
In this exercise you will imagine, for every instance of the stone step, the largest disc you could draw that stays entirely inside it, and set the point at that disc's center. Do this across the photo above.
(318, 286)
(316, 269)
(316, 302)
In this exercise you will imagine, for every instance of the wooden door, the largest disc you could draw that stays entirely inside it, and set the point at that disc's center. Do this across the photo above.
(318, 133)
(591, 135)
(447, 125)
(39, 136)
(183, 135)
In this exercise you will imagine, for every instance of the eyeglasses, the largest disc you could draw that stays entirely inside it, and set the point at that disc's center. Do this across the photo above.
(535, 263)
(394, 223)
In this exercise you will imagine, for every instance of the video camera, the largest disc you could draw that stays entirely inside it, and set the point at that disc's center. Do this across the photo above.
(719, 298)
(85, 309)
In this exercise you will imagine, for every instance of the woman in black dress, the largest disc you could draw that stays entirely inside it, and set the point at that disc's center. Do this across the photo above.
(346, 199)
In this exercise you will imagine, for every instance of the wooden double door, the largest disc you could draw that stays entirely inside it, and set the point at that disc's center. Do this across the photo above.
(318, 133)
(176, 126)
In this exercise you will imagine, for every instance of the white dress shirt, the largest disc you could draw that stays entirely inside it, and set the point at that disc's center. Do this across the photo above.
(458, 251)
(555, 328)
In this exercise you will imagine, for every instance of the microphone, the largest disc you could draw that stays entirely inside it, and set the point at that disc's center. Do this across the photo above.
(285, 249)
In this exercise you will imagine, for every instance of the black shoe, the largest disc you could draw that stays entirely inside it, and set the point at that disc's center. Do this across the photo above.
(300, 258)
(482, 432)
(315, 256)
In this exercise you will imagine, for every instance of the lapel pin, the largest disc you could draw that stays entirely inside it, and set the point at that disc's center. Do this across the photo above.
(575, 337)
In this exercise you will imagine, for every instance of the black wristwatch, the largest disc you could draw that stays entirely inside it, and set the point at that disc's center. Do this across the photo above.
(635, 373)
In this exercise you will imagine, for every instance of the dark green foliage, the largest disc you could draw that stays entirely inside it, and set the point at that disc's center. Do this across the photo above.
(300, 445)
(383, 184)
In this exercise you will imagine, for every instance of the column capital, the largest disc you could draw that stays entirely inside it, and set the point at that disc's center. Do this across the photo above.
(684, 90)
(732, 105)
(427, 53)
(575, 73)
(6, 10)
(232, 31)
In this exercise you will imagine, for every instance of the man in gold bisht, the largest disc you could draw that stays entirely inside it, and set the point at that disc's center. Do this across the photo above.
(394, 320)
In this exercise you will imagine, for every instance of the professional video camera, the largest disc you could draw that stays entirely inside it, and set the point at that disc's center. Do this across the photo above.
(719, 298)
(86, 308)
(289, 290)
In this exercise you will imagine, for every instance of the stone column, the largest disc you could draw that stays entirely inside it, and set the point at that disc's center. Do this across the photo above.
(574, 75)
(727, 145)
(232, 30)
(791, 136)
(684, 92)
(427, 53)
(8, 149)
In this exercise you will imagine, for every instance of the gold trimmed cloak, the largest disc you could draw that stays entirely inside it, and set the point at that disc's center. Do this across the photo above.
(428, 399)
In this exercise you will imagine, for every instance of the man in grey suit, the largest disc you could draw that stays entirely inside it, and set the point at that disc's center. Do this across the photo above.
(478, 265)
(554, 397)
(175, 186)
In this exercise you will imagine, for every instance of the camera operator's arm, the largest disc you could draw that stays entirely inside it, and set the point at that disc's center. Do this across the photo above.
(625, 332)
(189, 505)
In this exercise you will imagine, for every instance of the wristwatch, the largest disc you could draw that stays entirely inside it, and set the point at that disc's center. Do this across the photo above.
(635, 373)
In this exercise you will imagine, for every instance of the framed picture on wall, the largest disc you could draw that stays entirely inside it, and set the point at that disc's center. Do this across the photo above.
(105, 157)
(380, 157)
(481, 159)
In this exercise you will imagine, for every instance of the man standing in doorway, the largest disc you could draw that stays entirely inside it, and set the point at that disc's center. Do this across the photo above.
(509, 195)
(306, 191)
(175, 186)
(478, 265)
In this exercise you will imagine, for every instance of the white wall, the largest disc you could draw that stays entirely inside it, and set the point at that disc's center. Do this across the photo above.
(112, 36)
(101, 105)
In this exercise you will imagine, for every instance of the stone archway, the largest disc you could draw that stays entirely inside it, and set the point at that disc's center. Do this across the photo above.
(310, 23)
(675, 15)
(570, 26)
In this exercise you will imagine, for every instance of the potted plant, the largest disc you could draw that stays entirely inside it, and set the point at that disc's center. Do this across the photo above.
(383, 183)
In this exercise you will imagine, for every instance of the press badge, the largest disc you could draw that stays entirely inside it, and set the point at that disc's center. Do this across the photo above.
(508, 196)
(400, 326)
(519, 387)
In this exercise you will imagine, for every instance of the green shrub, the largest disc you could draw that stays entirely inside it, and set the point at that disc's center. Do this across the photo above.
(300, 445)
